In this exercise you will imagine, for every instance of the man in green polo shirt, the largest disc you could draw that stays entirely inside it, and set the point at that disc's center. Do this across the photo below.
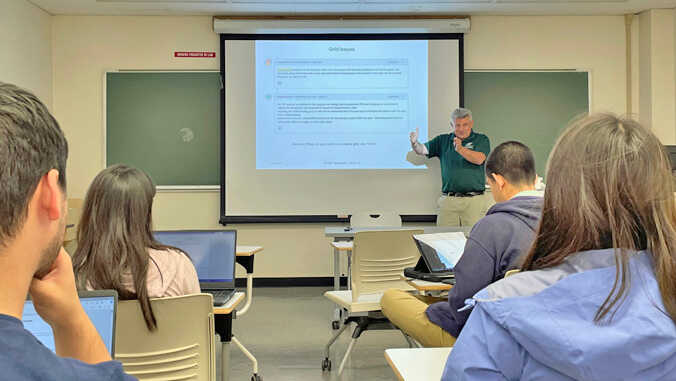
(462, 154)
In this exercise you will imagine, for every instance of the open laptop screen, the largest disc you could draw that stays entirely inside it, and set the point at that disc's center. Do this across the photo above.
(100, 306)
(212, 252)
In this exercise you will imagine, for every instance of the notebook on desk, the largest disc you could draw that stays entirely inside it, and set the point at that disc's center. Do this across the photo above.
(213, 254)
(100, 306)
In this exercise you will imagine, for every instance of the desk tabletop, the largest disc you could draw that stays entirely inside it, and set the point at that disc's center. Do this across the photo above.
(425, 285)
(247, 251)
(418, 364)
(228, 307)
(342, 245)
(340, 232)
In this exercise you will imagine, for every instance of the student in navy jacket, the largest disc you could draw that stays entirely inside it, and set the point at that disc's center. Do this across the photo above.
(596, 295)
(507, 231)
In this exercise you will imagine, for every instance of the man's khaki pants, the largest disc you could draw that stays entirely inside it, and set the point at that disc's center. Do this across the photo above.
(460, 211)
(407, 312)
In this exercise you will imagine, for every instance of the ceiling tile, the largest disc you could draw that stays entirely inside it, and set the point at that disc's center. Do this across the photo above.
(263, 8)
(121, 6)
(209, 9)
(319, 9)
(560, 1)
(429, 1)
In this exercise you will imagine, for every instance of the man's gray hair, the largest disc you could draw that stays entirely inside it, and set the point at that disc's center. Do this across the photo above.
(460, 113)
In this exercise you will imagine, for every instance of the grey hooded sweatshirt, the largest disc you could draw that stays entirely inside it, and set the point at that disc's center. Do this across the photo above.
(495, 242)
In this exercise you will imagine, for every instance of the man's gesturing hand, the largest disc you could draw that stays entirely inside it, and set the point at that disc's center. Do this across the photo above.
(457, 144)
(414, 136)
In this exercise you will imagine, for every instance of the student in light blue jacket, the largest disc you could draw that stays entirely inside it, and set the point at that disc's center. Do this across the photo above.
(596, 298)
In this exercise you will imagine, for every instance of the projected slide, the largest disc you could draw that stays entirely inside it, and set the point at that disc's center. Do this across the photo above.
(339, 104)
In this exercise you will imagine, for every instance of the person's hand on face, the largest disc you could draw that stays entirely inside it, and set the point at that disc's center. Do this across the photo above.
(54, 294)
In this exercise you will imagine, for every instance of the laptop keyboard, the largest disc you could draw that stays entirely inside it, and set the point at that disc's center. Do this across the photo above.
(220, 296)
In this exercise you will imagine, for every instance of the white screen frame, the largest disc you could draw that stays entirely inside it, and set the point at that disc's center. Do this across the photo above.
(324, 218)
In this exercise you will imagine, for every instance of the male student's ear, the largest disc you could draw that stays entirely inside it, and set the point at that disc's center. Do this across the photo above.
(499, 181)
(50, 196)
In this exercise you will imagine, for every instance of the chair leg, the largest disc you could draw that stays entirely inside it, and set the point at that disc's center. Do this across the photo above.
(343, 364)
(362, 326)
(246, 353)
(334, 338)
(410, 342)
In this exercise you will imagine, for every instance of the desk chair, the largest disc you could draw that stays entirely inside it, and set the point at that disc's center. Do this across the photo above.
(73, 220)
(379, 258)
(365, 220)
(182, 348)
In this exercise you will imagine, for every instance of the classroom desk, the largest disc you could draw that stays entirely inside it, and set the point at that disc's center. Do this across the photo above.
(418, 364)
(342, 242)
(223, 326)
(425, 285)
(245, 257)
(340, 232)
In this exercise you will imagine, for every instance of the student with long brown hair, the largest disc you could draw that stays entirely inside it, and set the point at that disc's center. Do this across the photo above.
(596, 298)
(116, 248)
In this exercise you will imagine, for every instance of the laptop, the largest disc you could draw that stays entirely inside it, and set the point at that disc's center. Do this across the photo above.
(213, 254)
(433, 260)
(100, 306)
(439, 253)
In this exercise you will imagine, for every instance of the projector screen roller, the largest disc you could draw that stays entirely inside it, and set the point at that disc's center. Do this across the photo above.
(317, 127)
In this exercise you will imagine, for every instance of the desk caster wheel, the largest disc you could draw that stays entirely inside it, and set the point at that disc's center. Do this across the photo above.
(256, 377)
(335, 324)
(326, 364)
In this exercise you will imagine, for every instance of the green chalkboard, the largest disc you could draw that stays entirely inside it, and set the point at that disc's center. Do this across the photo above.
(166, 124)
(529, 107)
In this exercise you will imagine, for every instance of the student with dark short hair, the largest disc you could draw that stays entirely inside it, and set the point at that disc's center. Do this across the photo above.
(507, 231)
(33, 152)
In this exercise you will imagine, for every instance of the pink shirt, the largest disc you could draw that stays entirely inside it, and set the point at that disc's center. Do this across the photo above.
(178, 277)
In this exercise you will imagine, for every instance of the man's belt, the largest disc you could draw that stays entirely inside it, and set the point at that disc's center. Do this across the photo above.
(468, 194)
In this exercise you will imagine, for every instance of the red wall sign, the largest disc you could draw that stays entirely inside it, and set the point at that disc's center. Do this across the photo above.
(195, 54)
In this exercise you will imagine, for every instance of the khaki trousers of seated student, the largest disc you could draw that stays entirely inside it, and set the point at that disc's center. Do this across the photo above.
(460, 211)
(407, 312)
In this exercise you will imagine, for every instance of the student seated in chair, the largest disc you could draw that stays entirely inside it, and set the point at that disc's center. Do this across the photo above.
(116, 247)
(596, 295)
(33, 152)
(494, 243)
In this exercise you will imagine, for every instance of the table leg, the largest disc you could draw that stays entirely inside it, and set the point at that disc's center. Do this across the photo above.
(223, 326)
(335, 324)
(336, 270)
(225, 361)
(249, 294)
(349, 269)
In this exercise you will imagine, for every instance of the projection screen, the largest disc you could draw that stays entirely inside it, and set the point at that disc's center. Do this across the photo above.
(316, 127)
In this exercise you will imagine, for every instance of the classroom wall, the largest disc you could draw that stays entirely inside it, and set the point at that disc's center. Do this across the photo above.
(86, 45)
(657, 72)
(26, 54)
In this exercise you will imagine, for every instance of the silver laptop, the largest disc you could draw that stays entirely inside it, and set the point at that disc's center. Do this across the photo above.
(100, 306)
(213, 254)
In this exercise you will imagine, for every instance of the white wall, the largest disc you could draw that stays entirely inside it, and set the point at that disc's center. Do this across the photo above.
(86, 45)
(26, 53)
(657, 78)
(562, 42)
